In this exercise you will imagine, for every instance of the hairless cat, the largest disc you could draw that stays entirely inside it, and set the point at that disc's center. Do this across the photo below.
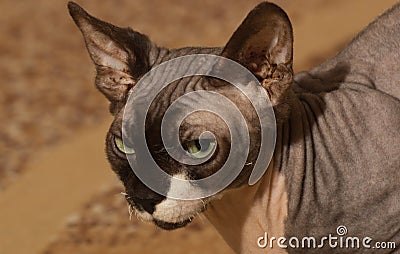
(336, 162)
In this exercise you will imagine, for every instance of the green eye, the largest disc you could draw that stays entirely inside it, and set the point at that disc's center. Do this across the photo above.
(123, 148)
(200, 148)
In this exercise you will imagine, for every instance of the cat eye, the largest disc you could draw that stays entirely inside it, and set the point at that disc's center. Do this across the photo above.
(122, 147)
(200, 149)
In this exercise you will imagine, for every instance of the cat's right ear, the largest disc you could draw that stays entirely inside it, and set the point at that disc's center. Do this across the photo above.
(121, 55)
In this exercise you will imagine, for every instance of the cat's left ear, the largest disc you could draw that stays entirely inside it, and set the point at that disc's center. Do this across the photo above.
(263, 41)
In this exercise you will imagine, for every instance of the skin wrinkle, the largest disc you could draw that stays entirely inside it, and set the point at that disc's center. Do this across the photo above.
(314, 149)
(309, 116)
(161, 54)
(177, 89)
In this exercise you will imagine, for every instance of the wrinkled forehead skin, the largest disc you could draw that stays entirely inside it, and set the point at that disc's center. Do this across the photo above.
(167, 82)
(189, 96)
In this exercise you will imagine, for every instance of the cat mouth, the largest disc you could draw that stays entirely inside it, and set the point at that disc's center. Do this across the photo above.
(171, 226)
(161, 222)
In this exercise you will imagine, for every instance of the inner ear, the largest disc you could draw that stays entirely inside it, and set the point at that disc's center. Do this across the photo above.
(121, 55)
(263, 41)
(120, 49)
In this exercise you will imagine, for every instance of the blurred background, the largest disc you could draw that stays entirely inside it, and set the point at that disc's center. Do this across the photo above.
(57, 192)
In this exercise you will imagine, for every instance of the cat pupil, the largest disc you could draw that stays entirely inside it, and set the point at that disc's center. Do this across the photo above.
(198, 145)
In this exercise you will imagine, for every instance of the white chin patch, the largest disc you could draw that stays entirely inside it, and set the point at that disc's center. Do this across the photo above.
(175, 211)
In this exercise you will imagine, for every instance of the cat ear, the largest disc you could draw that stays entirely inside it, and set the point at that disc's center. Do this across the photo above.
(121, 55)
(263, 41)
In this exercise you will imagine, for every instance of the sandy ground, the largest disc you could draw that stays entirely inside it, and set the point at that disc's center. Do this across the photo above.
(57, 193)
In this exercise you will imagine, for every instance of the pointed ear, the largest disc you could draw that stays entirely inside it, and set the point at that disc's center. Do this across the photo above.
(263, 41)
(121, 55)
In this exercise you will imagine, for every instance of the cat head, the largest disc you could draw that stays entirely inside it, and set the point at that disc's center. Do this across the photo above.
(262, 44)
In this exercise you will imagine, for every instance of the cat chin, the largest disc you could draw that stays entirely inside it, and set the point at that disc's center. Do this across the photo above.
(146, 217)
(171, 226)
(178, 222)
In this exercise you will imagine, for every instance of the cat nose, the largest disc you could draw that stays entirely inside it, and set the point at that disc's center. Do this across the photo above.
(148, 204)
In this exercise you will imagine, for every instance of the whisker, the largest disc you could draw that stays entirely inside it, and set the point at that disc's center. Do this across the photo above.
(204, 203)
(130, 211)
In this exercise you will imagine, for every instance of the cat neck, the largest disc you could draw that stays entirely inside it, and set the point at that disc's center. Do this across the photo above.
(244, 215)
